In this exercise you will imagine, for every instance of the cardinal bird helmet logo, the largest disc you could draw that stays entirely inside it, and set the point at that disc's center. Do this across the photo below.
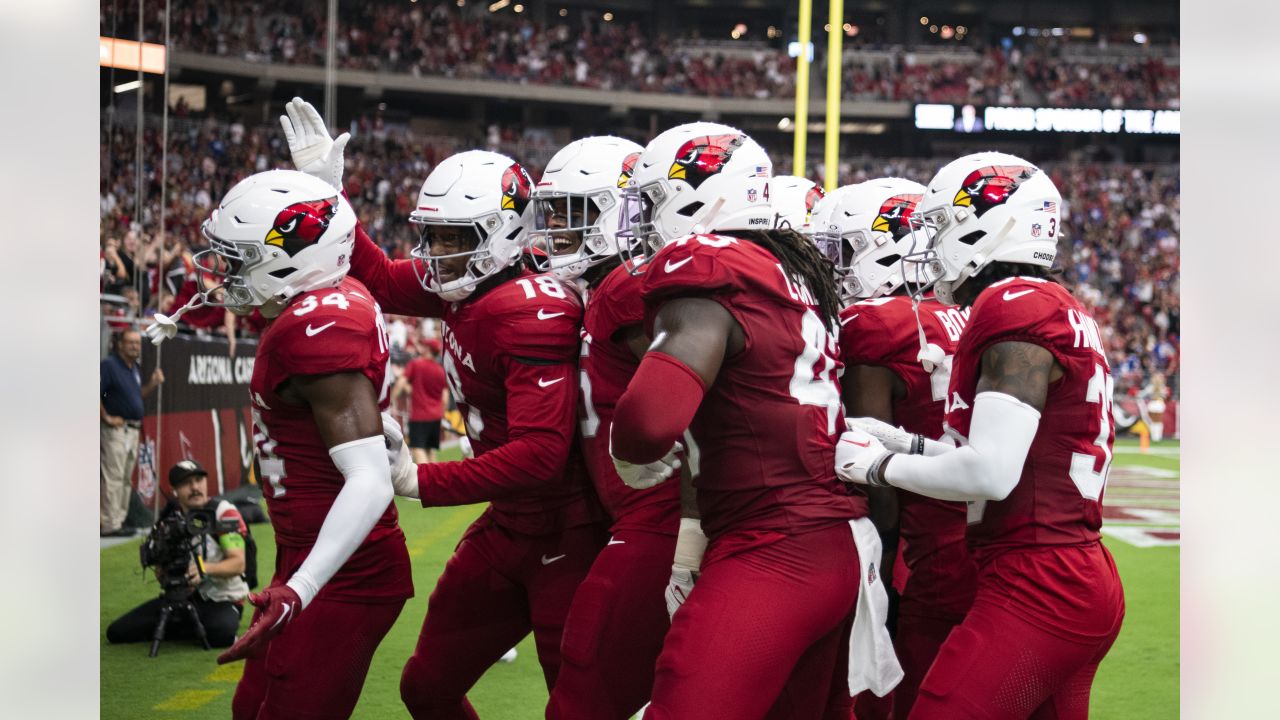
(517, 188)
(990, 186)
(300, 225)
(628, 167)
(895, 215)
(811, 198)
(702, 157)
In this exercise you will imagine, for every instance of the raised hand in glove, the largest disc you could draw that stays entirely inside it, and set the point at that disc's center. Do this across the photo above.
(313, 151)
(859, 457)
(643, 477)
(277, 606)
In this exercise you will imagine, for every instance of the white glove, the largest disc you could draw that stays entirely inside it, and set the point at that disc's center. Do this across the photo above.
(404, 472)
(313, 151)
(894, 439)
(164, 328)
(643, 477)
(679, 587)
(691, 545)
(464, 444)
(859, 456)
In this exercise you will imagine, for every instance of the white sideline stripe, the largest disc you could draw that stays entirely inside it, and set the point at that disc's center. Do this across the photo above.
(1153, 515)
(1138, 537)
(1156, 451)
(1135, 473)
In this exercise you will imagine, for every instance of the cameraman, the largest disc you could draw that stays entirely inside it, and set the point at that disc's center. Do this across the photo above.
(219, 596)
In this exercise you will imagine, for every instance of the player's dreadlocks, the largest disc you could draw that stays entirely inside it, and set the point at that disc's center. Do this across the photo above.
(800, 259)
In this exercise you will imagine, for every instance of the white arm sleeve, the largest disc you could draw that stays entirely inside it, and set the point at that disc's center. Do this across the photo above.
(988, 468)
(938, 447)
(365, 495)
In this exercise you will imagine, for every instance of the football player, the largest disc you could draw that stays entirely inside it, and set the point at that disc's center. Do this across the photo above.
(864, 230)
(744, 356)
(1029, 402)
(618, 618)
(511, 345)
(279, 242)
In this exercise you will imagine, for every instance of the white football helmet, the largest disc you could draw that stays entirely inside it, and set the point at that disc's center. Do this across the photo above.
(983, 208)
(276, 234)
(864, 231)
(486, 192)
(793, 199)
(696, 178)
(577, 200)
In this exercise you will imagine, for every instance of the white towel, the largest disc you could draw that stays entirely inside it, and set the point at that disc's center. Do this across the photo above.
(872, 664)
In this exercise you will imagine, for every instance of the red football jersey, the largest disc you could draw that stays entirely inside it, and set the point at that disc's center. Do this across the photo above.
(321, 333)
(883, 332)
(1058, 499)
(510, 358)
(766, 430)
(605, 367)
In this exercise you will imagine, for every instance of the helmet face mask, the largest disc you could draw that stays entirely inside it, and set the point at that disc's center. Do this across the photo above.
(568, 229)
(446, 255)
(638, 234)
(275, 235)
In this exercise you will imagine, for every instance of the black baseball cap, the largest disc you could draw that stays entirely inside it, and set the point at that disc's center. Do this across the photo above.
(183, 471)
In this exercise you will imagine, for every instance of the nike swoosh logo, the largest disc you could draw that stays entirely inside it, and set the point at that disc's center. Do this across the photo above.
(312, 332)
(854, 442)
(548, 383)
(284, 616)
(849, 319)
(617, 542)
(1015, 295)
(673, 266)
(544, 315)
(547, 561)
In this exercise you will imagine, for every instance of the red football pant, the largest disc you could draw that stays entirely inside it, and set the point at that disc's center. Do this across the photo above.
(615, 630)
(764, 633)
(997, 665)
(315, 669)
(497, 587)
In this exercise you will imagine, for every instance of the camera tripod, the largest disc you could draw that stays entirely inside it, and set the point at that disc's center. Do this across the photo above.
(177, 598)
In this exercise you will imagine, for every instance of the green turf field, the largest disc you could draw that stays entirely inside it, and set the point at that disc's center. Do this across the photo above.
(1139, 678)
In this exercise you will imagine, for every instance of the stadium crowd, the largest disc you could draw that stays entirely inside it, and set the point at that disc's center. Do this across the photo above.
(1121, 221)
(583, 50)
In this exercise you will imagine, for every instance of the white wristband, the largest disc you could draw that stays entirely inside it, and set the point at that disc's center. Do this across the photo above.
(691, 544)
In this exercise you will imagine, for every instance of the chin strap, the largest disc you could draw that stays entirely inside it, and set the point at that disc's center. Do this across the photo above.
(931, 355)
(166, 326)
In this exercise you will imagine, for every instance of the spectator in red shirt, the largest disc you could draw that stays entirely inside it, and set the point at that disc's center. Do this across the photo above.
(424, 378)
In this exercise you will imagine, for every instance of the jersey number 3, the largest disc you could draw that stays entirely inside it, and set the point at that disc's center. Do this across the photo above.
(1089, 480)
